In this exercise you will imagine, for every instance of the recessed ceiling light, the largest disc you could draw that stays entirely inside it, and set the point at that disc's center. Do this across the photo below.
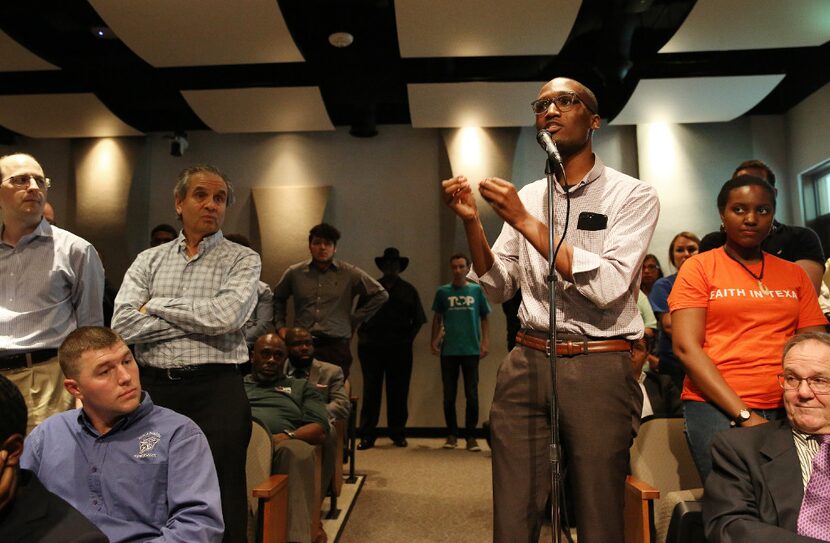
(102, 32)
(341, 39)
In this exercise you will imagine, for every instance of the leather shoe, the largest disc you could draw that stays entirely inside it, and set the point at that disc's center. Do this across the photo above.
(401, 442)
(365, 444)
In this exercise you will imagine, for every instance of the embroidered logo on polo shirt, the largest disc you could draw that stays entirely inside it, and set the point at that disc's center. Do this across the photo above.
(287, 390)
(146, 443)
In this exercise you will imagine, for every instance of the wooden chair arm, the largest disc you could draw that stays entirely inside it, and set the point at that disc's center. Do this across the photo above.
(641, 488)
(270, 487)
(273, 507)
(636, 510)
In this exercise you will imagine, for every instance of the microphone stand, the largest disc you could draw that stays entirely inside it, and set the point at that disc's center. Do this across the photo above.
(554, 450)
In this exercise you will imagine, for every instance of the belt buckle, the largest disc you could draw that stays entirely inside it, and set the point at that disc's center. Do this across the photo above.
(170, 375)
(547, 348)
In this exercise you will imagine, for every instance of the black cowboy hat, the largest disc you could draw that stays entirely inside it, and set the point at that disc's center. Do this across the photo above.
(391, 253)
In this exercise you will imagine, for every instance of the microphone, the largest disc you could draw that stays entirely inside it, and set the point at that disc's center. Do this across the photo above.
(547, 143)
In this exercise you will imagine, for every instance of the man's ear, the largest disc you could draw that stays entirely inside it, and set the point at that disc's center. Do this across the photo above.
(596, 122)
(71, 386)
(14, 446)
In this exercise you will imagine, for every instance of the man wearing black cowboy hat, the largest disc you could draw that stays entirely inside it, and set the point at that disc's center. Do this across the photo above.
(385, 347)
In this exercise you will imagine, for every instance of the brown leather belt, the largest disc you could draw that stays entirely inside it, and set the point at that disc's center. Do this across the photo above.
(538, 341)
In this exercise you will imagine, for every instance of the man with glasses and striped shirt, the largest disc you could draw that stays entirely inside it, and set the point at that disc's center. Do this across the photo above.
(53, 283)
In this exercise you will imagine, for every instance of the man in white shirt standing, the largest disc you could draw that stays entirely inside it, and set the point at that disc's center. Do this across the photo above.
(53, 282)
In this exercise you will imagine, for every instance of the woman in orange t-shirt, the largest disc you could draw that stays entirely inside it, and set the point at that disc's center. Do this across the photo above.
(732, 310)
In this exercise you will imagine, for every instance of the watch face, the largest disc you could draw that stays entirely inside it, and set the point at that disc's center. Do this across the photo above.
(744, 414)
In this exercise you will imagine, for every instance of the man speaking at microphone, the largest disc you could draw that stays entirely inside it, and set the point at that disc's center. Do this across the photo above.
(612, 218)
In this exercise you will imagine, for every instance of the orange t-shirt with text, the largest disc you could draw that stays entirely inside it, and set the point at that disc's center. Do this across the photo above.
(746, 328)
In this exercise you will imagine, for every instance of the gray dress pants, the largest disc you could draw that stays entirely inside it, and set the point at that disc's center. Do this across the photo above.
(600, 404)
(296, 459)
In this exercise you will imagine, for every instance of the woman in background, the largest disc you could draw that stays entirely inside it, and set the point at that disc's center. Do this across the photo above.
(651, 273)
(682, 246)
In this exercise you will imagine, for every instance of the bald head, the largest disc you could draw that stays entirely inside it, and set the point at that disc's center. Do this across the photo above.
(583, 93)
(268, 360)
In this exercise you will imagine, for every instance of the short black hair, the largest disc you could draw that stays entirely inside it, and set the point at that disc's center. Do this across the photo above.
(325, 231)
(163, 227)
(756, 164)
(743, 181)
(460, 255)
(13, 412)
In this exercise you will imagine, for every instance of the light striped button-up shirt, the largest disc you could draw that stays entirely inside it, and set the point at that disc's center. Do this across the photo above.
(601, 302)
(195, 308)
(53, 282)
(806, 447)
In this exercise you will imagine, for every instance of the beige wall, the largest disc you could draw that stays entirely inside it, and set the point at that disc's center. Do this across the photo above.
(808, 130)
(384, 191)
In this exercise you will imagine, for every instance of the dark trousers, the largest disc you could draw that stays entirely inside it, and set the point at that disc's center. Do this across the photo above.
(600, 406)
(334, 351)
(218, 405)
(393, 360)
(450, 367)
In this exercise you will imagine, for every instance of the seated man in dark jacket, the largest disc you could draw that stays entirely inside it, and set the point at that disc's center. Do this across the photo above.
(292, 411)
(770, 483)
(29, 512)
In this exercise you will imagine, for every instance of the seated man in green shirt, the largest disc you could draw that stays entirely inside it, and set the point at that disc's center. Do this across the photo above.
(297, 419)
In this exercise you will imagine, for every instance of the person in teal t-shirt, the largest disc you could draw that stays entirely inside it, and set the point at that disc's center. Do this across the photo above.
(460, 312)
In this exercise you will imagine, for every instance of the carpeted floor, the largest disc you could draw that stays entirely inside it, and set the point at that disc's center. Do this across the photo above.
(421, 494)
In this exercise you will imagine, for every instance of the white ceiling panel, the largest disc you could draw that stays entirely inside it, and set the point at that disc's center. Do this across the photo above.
(695, 99)
(282, 109)
(445, 105)
(718, 25)
(472, 28)
(16, 58)
(61, 116)
(201, 32)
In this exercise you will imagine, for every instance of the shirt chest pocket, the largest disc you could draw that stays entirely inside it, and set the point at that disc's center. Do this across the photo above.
(592, 241)
(139, 492)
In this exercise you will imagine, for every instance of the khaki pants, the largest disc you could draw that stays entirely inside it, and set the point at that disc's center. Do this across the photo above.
(42, 388)
(296, 459)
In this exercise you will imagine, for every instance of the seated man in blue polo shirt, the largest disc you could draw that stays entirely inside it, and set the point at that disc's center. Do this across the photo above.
(139, 472)
(291, 409)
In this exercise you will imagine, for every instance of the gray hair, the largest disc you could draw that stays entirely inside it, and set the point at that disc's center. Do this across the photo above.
(821, 337)
(180, 192)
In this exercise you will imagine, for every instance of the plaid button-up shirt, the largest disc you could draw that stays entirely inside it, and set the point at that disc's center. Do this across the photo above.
(195, 308)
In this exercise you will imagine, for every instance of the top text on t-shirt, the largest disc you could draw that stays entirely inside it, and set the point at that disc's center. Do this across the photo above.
(744, 293)
(461, 301)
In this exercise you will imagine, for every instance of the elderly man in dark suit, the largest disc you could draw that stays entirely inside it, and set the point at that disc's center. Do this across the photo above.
(771, 483)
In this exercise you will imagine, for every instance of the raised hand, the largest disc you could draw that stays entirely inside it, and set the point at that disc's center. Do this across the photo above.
(503, 198)
(458, 196)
